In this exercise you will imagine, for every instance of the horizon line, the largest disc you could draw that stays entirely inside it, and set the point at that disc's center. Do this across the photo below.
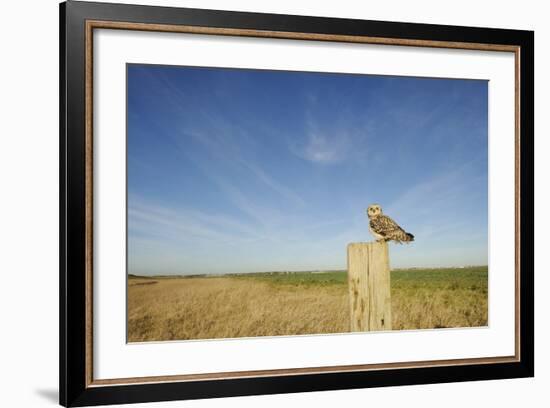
(302, 271)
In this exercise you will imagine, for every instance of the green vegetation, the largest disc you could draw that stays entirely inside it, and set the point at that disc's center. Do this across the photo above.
(472, 278)
(324, 278)
(287, 303)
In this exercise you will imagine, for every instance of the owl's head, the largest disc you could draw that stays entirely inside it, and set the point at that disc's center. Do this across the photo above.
(374, 210)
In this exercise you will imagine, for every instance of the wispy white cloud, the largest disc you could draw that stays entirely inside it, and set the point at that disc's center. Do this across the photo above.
(221, 147)
(217, 134)
(440, 192)
(329, 144)
(320, 148)
(273, 184)
(184, 240)
(439, 210)
(265, 216)
(165, 224)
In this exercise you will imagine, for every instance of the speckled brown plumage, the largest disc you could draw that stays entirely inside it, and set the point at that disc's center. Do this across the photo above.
(384, 228)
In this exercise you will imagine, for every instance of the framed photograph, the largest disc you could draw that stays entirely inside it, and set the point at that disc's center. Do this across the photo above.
(257, 204)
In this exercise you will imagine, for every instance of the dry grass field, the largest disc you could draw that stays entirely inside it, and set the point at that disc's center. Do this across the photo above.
(182, 308)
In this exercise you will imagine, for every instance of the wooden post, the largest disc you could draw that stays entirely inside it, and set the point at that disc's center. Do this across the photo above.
(369, 286)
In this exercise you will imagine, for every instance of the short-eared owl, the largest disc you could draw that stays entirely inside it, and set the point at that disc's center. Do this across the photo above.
(384, 228)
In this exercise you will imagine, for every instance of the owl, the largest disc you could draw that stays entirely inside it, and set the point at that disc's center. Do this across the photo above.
(384, 228)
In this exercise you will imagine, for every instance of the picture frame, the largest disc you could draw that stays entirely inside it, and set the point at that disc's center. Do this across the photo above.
(78, 23)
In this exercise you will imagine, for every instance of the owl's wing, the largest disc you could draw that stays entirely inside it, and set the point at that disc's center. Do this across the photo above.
(384, 225)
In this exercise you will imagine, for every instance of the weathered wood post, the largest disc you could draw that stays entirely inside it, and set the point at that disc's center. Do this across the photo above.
(369, 286)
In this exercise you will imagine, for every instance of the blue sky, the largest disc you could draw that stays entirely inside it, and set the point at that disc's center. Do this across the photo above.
(248, 170)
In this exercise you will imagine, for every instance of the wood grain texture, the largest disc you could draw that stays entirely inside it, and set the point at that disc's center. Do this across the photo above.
(89, 209)
(299, 371)
(369, 286)
(292, 35)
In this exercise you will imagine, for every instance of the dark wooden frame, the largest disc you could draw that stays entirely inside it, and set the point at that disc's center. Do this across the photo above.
(77, 385)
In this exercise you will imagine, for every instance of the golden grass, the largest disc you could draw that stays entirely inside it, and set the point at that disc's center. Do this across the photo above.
(226, 307)
(426, 309)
